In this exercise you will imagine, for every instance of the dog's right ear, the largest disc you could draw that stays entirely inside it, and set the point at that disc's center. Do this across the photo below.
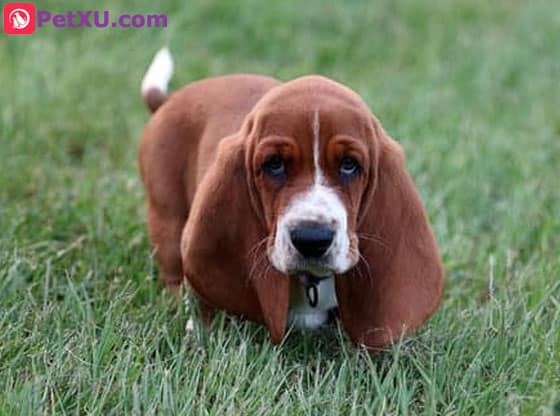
(222, 249)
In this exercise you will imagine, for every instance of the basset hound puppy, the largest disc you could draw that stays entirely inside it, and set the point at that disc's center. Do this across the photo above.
(287, 204)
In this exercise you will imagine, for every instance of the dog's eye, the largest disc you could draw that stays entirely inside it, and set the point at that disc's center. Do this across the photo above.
(274, 167)
(349, 167)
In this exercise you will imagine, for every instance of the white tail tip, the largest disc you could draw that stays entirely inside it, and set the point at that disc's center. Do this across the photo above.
(159, 73)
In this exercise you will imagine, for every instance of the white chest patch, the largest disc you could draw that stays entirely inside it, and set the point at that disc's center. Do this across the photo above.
(301, 314)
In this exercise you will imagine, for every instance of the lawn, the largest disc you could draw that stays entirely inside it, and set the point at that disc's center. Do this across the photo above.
(471, 90)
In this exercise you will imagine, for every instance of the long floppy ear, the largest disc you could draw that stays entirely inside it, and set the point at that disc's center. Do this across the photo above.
(221, 247)
(399, 281)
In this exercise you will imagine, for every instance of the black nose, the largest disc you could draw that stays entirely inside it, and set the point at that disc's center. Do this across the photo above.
(312, 240)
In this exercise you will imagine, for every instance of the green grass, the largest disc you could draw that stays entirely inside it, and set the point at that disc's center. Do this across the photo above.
(469, 87)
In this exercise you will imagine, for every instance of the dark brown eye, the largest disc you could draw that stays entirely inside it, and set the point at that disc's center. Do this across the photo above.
(275, 167)
(349, 168)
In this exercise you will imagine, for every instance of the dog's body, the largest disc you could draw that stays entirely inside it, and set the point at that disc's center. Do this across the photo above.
(265, 196)
(178, 148)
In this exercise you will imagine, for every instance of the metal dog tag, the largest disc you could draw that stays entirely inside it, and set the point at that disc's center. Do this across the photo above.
(312, 294)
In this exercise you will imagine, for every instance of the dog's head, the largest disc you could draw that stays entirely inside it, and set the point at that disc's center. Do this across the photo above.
(314, 156)
(312, 184)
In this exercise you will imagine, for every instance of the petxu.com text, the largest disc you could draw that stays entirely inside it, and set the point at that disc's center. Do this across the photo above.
(95, 18)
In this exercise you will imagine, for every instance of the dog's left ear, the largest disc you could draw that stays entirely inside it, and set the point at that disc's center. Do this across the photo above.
(223, 244)
(398, 283)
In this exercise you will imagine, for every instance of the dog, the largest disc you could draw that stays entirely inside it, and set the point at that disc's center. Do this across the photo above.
(285, 203)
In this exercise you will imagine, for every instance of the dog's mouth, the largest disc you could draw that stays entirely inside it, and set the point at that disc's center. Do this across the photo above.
(311, 273)
(313, 268)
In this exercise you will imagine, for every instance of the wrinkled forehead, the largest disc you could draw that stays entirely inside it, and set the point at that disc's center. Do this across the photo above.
(301, 108)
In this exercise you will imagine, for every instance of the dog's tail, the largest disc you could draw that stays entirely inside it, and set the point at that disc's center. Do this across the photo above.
(154, 84)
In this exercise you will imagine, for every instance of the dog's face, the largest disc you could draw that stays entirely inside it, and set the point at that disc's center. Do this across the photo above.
(310, 172)
(312, 164)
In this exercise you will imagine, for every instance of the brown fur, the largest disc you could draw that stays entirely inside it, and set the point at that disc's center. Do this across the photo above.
(212, 212)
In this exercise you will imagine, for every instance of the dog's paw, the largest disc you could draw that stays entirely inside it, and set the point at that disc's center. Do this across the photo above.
(189, 327)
